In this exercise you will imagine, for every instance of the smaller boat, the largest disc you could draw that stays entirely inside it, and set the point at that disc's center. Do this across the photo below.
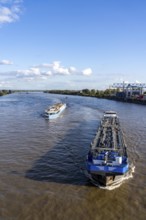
(55, 110)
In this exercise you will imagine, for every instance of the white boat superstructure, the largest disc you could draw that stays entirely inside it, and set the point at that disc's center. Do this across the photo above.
(55, 110)
(112, 114)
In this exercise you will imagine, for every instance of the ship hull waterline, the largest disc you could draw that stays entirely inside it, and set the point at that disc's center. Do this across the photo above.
(106, 179)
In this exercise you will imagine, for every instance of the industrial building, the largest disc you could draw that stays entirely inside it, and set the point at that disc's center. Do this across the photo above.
(130, 90)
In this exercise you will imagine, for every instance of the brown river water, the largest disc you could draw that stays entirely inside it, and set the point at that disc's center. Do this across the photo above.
(42, 163)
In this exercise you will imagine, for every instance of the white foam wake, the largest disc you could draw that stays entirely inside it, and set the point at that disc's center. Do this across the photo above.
(116, 183)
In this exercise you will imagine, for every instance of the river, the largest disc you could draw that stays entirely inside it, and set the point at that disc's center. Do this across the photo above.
(42, 162)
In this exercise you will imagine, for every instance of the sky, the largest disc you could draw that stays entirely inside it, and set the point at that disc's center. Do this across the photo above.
(71, 44)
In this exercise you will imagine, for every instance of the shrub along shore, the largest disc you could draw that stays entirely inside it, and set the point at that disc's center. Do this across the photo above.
(5, 92)
(106, 94)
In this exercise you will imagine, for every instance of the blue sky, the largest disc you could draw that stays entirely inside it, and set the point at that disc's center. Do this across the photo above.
(71, 44)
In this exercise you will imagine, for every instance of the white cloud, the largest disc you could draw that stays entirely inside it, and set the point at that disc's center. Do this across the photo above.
(87, 72)
(72, 69)
(137, 81)
(4, 84)
(48, 73)
(57, 69)
(45, 71)
(42, 74)
(33, 71)
(6, 62)
(43, 65)
(10, 10)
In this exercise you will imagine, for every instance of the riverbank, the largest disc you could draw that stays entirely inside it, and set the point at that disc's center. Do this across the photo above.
(129, 100)
(5, 92)
(98, 94)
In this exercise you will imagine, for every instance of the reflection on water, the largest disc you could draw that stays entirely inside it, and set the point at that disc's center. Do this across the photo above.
(43, 162)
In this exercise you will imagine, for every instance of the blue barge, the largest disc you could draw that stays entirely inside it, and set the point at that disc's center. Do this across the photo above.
(107, 160)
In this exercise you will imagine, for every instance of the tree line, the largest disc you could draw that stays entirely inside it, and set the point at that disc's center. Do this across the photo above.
(85, 92)
(5, 92)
